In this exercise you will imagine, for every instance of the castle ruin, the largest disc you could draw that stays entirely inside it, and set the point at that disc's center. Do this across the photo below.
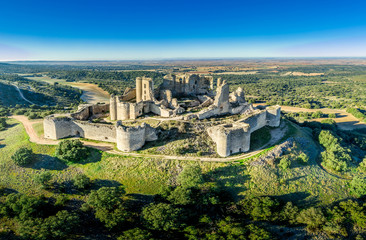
(191, 94)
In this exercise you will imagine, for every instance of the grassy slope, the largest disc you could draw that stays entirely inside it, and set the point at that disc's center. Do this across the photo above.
(38, 128)
(146, 175)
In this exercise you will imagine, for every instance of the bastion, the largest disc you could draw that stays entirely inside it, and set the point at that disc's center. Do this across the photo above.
(235, 137)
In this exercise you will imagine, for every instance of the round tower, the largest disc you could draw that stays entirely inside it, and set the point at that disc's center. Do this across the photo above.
(113, 107)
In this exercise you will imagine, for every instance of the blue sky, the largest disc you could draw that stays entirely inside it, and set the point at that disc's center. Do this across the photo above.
(118, 30)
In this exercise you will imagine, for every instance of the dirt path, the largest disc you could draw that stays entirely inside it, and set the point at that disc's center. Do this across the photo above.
(22, 96)
(110, 148)
(344, 120)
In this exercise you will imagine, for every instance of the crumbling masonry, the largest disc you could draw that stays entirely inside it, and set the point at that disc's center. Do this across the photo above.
(176, 95)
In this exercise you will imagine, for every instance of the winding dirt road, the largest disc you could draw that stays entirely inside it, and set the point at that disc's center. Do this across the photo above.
(110, 148)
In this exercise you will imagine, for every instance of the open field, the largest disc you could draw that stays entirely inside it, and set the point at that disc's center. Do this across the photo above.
(302, 74)
(145, 175)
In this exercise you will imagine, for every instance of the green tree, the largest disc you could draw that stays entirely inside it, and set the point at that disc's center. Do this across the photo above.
(3, 124)
(72, 151)
(317, 114)
(53, 227)
(313, 217)
(257, 233)
(284, 163)
(136, 234)
(362, 166)
(227, 229)
(289, 213)
(332, 115)
(303, 158)
(260, 208)
(163, 216)
(191, 176)
(108, 206)
(82, 182)
(23, 156)
(358, 186)
(44, 179)
(355, 212)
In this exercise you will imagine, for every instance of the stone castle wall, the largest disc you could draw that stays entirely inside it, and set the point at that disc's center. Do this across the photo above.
(133, 138)
(85, 111)
(188, 84)
(65, 126)
(235, 138)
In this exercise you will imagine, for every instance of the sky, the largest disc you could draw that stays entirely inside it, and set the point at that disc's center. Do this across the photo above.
(199, 29)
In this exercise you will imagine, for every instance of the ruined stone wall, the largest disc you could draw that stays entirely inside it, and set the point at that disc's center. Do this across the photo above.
(56, 127)
(256, 120)
(133, 138)
(159, 110)
(273, 116)
(230, 138)
(123, 110)
(86, 111)
(147, 89)
(234, 138)
(188, 84)
(65, 126)
(138, 89)
(136, 110)
(94, 131)
(113, 107)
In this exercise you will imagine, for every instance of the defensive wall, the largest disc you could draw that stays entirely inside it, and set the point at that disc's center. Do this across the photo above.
(235, 138)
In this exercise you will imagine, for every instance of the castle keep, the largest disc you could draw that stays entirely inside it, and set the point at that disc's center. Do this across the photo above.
(176, 95)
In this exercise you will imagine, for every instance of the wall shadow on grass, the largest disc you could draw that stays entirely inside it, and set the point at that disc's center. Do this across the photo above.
(99, 183)
(94, 156)
(43, 161)
(2, 146)
(230, 178)
(303, 199)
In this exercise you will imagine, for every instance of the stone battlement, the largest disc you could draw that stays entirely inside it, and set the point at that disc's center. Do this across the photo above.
(235, 137)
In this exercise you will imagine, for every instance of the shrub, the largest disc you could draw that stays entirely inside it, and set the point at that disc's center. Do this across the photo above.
(53, 227)
(261, 208)
(22, 156)
(284, 163)
(136, 234)
(317, 114)
(226, 229)
(313, 217)
(257, 233)
(191, 176)
(107, 204)
(44, 179)
(332, 115)
(3, 124)
(335, 156)
(303, 158)
(358, 186)
(23, 207)
(82, 182)
(362, 166)
(163, 216)
(72, 151)
(289, 213)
